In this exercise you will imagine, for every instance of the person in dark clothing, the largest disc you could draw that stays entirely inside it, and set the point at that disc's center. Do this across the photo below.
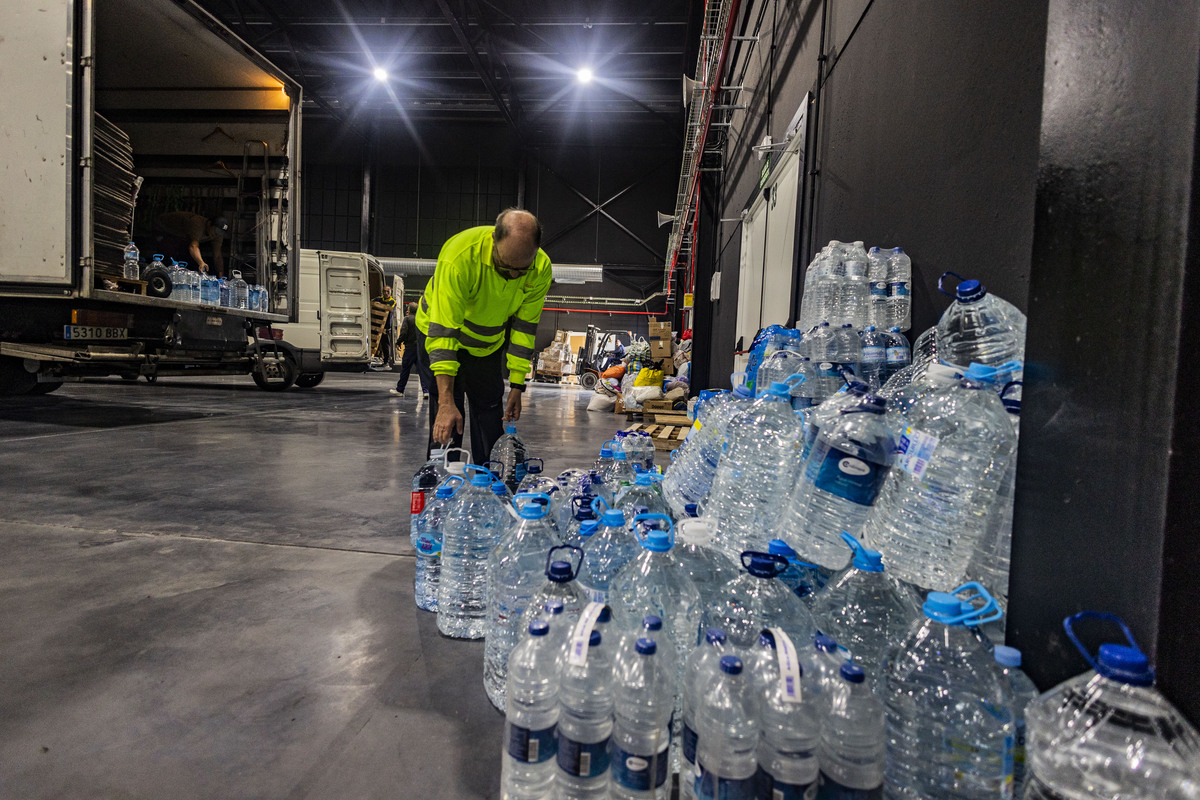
(408, 362)
(387, 347)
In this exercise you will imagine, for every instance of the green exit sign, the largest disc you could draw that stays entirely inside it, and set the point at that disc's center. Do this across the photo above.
(766, 171)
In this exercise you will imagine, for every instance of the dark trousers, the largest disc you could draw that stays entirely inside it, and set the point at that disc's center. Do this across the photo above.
(480, 382)
(407, 362)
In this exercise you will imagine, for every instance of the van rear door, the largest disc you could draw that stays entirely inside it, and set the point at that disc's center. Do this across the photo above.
(345, 307)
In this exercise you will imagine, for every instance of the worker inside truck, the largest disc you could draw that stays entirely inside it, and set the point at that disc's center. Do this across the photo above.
(487, 291)
(179, 234)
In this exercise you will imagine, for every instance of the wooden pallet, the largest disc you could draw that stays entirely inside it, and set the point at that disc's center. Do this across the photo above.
(665, 437)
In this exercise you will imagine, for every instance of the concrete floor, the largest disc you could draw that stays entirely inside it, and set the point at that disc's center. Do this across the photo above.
(207, 593)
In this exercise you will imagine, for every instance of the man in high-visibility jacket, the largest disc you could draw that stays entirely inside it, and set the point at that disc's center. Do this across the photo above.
(487, 290)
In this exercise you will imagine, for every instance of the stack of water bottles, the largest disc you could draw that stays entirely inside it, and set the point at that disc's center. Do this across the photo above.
(846, 284)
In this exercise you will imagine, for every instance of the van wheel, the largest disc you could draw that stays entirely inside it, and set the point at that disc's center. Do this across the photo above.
(307, 380)
(275, 374)
(46, 387)
(14, 378)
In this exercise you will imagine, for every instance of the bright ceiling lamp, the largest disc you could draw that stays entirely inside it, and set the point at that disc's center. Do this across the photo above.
(584, 75)
(381, 74)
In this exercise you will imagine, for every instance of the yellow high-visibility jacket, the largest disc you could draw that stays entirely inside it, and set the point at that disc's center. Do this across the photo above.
(468, 305)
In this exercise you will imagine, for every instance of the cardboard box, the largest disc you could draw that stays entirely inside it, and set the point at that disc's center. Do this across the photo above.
(660, 350)
(659, 330)
(560, 337)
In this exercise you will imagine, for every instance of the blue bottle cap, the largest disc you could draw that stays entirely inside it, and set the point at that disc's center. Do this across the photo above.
(532, 511)
(158, 256)
(644, 479)
(605, 615)
(897, 249)
(499, 489)
(606, 452)
(445, 491)
(533, 469)
(869, 329)
(825, 643)
(482, 479)
(559, 572)
(1007, 656)
(691, 510)
(868, 560)
(640, 510)
(657, 540)
(594, 639)
(941, 606)
(714, 636)
(874, 250)
(652, 622)
(554, 606)
(847, 325)
(539, 627)
(613, 517)
(510, 428)
(766, 639)
(970, 291)
(646, 647)
(853, 673)
(1124, 664)
(763, 565)
(778, 547)
(894, 329)
(731, 665)
(588, 527)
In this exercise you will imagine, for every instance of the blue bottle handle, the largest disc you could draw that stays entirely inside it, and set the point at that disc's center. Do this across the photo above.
(781, 563)
(640, 534)
(942, 289)
(541, 463)
(541, 498)
(575, 566)
(1069, 627)
(595, 507)
(856, 547)
(497, 475)
(978, 615)
(1010, 385)
(457, 486)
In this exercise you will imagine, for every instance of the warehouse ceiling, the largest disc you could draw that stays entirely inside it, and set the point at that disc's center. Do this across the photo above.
(479, 61)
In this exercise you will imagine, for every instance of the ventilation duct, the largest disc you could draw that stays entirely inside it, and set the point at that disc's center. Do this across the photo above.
(563, 273)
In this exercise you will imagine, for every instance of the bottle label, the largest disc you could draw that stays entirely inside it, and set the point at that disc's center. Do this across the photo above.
(417, 504)
(829, 369)
(898, 355)
(519, 472)
(712, 787)
(915, 451)
(829, 789)
(873, 355)
(690, 738)
(844, 475)
(789, 666)
(428, 546)
(898, 289)
(531, 747)
(582, 760)
(771, 789)
(879, 289)
(635, 771)
(577, 651)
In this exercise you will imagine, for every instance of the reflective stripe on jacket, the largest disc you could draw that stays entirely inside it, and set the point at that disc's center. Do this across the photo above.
(468, 305)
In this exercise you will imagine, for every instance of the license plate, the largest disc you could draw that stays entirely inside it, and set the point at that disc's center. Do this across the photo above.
(73, 332)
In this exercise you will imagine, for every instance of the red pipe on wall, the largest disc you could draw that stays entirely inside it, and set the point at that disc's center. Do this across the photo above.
(602, 311)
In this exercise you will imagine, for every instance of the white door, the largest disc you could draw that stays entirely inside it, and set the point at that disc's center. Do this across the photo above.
(345, 307)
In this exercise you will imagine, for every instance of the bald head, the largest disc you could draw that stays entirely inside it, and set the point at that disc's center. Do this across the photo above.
(515, 241)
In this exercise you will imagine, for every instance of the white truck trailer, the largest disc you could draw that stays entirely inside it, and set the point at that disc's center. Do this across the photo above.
(114, 113)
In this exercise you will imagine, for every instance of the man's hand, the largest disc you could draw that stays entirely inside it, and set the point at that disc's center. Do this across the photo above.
(512, 411)
(448, 421)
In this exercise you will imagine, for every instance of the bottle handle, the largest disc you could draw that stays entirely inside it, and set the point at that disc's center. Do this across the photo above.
(780, 562)
(942, 289)
(541, 464)
(640, 535)
(595, 507)
(539, 498)
(574, 567)
(1069, 627)
(448, 479)
(449, 450)
(856, 547)
(1010, 385)
(978, 615)
(497, 475)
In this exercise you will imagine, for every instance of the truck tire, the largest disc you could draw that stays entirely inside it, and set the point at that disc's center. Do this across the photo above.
(46, 387)
(280, 373)
(14, 378)
(588, 380)
(158, 281)
(308, 380)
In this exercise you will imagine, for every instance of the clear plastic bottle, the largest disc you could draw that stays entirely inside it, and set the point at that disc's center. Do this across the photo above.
(531, 716)
(1022, 692)
(622, 473)
(899, 299)
(866, 610)
(426, 480)
(585, 723)
(980, 328)
(950, 729)
(643, 492)
(874, 366)
(853, 750)
(925, 347)
(642, 707)
(132, 269)
(790, 724)
(210, 290)
(426, 534)
(854, 292)
(537, 482)
(935, 502)
(653, 583)
(1108, 733)
(194, 286)
(690, 474)
(510, 451)
(841, 481)
(515, 569)
(755, 472)
(606, 551)
(826, 371)
(821, 659)
(727, 724)
(992, 557)
(468, 535)
(560, 591)
(708, 568)
(898, 354)
(699, 671)
(238, 291)
(225, 292)
(877, 275)
(755, 600)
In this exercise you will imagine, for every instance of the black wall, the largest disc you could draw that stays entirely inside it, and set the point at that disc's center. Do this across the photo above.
(923, 134)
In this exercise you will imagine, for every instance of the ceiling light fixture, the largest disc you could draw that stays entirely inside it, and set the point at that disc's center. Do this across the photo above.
(381, 74)
(584, 75)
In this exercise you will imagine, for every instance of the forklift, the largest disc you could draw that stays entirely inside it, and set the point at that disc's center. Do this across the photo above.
(595, 356)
